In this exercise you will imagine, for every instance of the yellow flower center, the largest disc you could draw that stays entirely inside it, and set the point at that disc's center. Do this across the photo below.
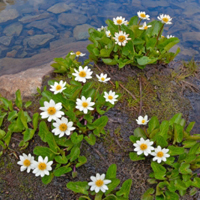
(63, 127)
(146, 27)
(109, 34)
(110, 97)
(143, 147)
(162, 36)
(127, 22)
(78, 53)
(82, 74)
(119, 21)
(85, 104)
(51, 110)
(26, 162)
(58, 87)
(165, 19)
(99, 183)
(143, 121)
(102, 78)
(160, 154)
(42, 166)
(142, 15)
(121, 38)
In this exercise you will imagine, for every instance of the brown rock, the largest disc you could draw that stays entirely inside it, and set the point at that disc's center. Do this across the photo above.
(27, 81)
(11, 53)
(30, 32)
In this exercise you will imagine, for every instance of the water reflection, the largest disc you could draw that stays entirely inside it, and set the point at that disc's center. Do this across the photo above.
(31, 27)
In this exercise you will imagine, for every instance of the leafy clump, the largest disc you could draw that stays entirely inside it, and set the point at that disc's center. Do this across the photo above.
(177, 175)
(142, 47)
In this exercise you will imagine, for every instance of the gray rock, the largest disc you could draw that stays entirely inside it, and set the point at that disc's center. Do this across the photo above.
(191, 36)
(31, 18)
(3, 49)
(58, 43)
(59, 8)
(11, 53)
(37, 40)
(71, 19)
(22, 55)
(13, 29)
(6, 40)
(81, 31)
(9, 14)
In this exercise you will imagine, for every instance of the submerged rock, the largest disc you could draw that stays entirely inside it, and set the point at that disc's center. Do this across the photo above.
(71, 19)
(11, 53)
(9, 14)
(38, 40)
(13, 29)
(6, 40)
(58, 43)
(81, 31)
(59, 8)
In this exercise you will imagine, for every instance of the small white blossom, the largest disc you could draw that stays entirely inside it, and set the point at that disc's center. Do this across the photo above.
(78, 53)
(108, 33)
(142, 15)
(84, 104)
(58, 87)
(102, 28)
(145, 26)
(165, 19)
(170, 36)
(82, 74)
(102, 78)
(143, 146)
(99, 183)
(119, 20)
(160, 154)
(142, 120)
(110, 97)
(26, 162)
(121, 38)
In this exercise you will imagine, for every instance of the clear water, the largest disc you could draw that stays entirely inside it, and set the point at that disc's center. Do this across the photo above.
(32, 33)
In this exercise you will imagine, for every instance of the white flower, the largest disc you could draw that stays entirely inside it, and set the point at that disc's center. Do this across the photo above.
(108, 33)
(110, 97)
(26, 162)
(78, 53)
(102, 28)
(82, 74)
(165, 19)
(58, 87)
(121, 38)
(126, 22)
(99, 183)
(42, 167)
(143, 146)
(142, 15)
(62, 126)
(142, 120)
(51, 110)
(119, 20)
(145, 26)
(160, 154)
(170, 36)
(102, 78)
(84, 104)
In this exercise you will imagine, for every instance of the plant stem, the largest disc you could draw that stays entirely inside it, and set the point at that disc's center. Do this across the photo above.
(159, 34)
(98, 196)
(139, 21)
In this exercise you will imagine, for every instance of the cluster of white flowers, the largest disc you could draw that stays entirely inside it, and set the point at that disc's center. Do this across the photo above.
(40, 167)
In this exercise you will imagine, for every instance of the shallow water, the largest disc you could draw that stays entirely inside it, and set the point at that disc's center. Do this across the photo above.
(44, 29)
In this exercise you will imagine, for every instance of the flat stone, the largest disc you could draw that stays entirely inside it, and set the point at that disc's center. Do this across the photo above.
(71, 19)
(37, 40)
(58, 43)
(11, 53)
(13, 29)
(6, 40)
(6, 15)
(191, 36)
(59, 8)
(27, 81)
(31, 18)
(81, 31)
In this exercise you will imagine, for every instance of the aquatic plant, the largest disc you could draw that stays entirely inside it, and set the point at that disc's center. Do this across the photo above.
(101, 188)
(177, 153)
(123, 42)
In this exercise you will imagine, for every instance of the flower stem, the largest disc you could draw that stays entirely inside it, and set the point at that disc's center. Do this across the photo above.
(159, 33)
(139, 21)
(98, 196)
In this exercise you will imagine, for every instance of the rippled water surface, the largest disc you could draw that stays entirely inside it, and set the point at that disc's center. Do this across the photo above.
(33, 32)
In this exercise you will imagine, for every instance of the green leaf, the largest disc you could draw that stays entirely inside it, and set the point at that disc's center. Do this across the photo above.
(145, 60)
(47, 179)
(111, 186)
(133, 138)
(153, 124)
(148, 194)
(196, 182)
(28, 134)
(125, 189)
(27, 104)
(174, 151)
(35, 121)
(7, 138)
(23, 118)
(134, 157)
(185, 168)
(109, 61)
(61, 159)
(133, 21)
(189, 143)
(159, 170)
(7, 103)
(2, 116)
(76, 138)
(178, 133)
(179, 185)
(71, 115)
(2, 134)
(190, 127)
(81, 160)
(164, 128)
(62, 170)
(18, 100)
(78, 187)
(160, 141)
(138, 132)
(194, 149)
(12, 115)
(193, 191)
(44, 151)
(75, 152)
(91, 139)
(111, 172)
(175, 119)
(171, 195)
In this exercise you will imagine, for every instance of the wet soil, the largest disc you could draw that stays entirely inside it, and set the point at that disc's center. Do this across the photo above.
(163, 94)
